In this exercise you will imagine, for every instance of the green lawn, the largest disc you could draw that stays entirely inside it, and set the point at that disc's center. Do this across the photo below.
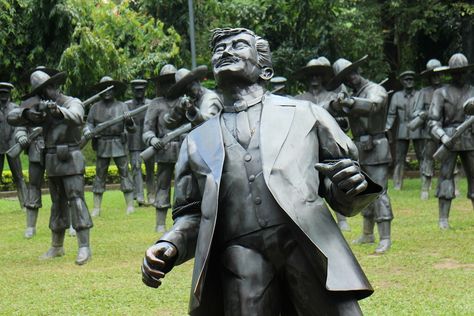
(427, 272)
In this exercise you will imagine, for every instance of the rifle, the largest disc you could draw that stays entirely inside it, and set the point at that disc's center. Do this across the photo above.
(104, 125)
(150, 151)
(96, 97)
(16, 149)
(440, 154)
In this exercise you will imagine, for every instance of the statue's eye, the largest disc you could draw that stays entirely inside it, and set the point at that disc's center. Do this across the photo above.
(240, 45)
(219, 49)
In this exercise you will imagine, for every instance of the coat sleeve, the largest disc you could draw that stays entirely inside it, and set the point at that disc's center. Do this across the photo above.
(150, 122)
(392, 113)
(187, 209)
(436, 114)
(334, 145)
(73, 111)
(209, 106)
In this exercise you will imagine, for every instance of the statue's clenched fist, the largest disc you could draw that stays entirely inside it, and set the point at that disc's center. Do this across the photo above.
(159, 259)
(345, 174)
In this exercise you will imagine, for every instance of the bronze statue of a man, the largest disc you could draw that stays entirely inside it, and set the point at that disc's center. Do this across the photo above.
(110, 143)
(446, 115)
(401, 108)
(249, 206)
(136, 146)
(367, 113)
(167, 154)
(61, 118)
(420, 120)
(199, 103)
(7, 139)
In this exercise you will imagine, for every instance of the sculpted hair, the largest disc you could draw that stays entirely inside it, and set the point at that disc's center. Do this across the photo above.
(263, 48)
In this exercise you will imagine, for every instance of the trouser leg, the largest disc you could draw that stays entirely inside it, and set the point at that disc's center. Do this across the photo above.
(401, 153)
(150, 180)
(161, 220)
(31, 219)
(420, 148)
(36, 179)
(125, 182)
(163, 181)
(137, 176)
(98, 187)
(17, 175)
(445, 190)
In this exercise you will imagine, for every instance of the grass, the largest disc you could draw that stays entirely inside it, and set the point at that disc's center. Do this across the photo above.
(427, 272)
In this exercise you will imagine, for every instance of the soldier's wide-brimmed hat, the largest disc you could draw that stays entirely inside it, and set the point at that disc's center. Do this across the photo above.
(431, 65)
(316, 66)
(184, 77)
(107, 81)
(407, 73)
(278, 83)
(39, 79)
(457, 63)
(139, 83)
(167, 73)
(342, 67)
(50, 71)
(6, 86)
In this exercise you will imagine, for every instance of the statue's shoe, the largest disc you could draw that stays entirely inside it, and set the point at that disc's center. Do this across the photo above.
(53, 252)
(344, 226)
(30, 232)
(424, 195)
(383, 246)
(84, 254)
(151, 201)
(95, 212)
(443, 223)
(130, 210)
(364, 239)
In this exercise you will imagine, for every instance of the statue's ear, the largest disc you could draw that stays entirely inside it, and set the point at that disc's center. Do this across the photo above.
(267, 73)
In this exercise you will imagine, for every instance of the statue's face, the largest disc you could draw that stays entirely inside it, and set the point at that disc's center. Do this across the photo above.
(194, 89)
(408, 82)
(435, 79)
(315, 81)
(50, 92)
(235, 58)
(459, 78)
(352, 80)
(108, 95)
(139, 93)
(4, 96)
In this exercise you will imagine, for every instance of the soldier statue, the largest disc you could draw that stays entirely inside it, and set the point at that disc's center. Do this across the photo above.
(7, 139)
(199, 103)
(401, 108)
(167, 154)
(61, 118)
(136, 146)
(110, 143)
(367, 113)
(278, 85)
(249, 192)
(446, 114)
(420, 120)
(316, 75)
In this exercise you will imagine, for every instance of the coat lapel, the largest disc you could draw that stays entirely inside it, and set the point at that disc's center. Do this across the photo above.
(277, 118)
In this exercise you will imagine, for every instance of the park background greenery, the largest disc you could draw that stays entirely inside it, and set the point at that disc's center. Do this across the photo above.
(427, 271)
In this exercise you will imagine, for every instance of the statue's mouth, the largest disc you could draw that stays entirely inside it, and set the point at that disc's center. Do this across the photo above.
(227, 61)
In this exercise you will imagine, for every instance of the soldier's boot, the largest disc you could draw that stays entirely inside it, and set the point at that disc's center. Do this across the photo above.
(367, 236)
(160, 220)
(385, 242)
(31, 218)
(97, 204)
(57, 249)
(425, 187)
(398, 176)
(84, 253)
(129, 201)
(444, 207)
(342, 223)
(457, 176)
(150, 192)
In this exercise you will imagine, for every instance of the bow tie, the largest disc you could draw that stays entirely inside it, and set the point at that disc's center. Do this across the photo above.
(241, 105)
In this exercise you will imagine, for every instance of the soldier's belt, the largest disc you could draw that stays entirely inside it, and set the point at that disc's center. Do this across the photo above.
(109, 136)
(53, 150)
(374, 136)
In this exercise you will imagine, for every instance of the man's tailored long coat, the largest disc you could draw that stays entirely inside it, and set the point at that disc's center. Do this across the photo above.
(294, 136)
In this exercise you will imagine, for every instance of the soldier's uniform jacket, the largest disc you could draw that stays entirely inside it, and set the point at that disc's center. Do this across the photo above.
(62, 136)
(208, 105)
(323, 97)
(294, 135)
(422, 105)
(7, 131)
(447, 113)
(368, 125)
(154, 126)
(112, 142)
(135, 141)
(402, 107)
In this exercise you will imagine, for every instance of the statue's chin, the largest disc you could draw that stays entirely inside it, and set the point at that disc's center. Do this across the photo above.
(226, 77)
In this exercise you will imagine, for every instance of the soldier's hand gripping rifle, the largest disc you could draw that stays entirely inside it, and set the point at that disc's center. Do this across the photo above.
(104, 125)
(16, 149)
(440, 154)
(151, 150)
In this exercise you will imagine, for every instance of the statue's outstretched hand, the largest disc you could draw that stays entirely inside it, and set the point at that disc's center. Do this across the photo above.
(159, 259)
(345, 174)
